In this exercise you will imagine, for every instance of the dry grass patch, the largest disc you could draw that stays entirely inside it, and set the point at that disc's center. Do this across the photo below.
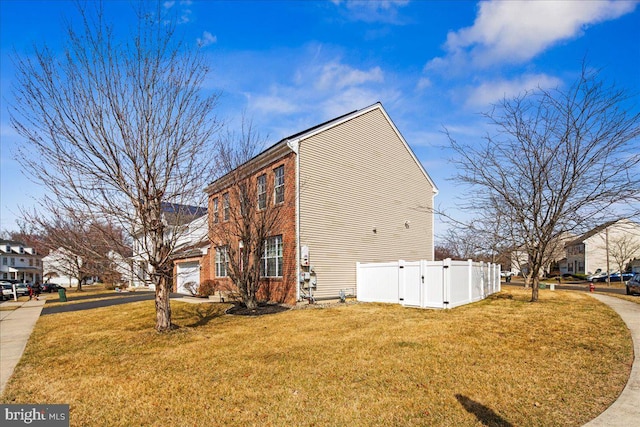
(502, 361)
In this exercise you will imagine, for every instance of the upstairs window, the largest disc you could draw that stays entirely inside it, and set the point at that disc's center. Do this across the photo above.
(278, 184)
(225, 206)
(262, 191)
(215, 211)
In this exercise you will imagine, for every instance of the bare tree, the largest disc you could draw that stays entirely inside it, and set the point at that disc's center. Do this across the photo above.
(82, 247)
(561, 160)
(623, 250)
(117, 128)
(248, 215)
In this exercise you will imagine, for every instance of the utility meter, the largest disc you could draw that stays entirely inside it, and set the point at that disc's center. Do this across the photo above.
(304, 256)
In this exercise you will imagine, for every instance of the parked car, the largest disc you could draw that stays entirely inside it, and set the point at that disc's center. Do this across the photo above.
(507, 274)
(598, 276)
(633, 285)
(50, 287)
(7, 290)
(616, 277)
(22, 288)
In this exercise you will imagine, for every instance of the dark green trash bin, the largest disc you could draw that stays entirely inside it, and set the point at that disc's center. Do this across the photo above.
(62, 293)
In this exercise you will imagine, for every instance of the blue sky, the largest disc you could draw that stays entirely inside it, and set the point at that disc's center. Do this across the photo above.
(293, 64)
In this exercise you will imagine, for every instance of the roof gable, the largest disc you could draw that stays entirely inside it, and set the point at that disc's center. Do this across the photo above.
(290, 143)
(296, 138)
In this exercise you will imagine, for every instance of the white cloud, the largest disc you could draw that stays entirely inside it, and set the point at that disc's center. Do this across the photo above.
(423, 83)
(271, 104)
(206, 39)
(516, 31)
(338, 76)
(490, 92)
(373, 11)
(183, 12)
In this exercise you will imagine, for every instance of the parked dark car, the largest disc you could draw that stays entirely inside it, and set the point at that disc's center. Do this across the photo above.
(50, 287)
(615, 277)
(633, 285)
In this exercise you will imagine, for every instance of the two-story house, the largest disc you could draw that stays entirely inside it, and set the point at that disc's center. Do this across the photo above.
(351, 190)
(19, 262)
(603, 248)
(189, 256)
(177, 219)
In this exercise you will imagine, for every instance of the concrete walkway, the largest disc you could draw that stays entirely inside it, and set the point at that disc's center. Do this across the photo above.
(625, 411)
(16, 326)
(15, 329)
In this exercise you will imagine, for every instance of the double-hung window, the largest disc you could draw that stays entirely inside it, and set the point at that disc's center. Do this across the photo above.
(262, 191)
(271, 265)
(215, 210)
(225, 206)
(278, 184)
(222, 259)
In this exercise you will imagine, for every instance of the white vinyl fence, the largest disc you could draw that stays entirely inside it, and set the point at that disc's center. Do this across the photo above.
(428, 284)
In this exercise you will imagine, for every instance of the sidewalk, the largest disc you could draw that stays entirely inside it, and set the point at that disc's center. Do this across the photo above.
(15, 329)
(625, 411)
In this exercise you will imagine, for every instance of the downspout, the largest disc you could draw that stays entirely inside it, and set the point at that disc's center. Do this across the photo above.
(295, 146)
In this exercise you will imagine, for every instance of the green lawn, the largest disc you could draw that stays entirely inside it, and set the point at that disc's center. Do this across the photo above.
(502, 361)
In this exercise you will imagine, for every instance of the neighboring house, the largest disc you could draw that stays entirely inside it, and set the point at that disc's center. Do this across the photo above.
(190, 266)
(122, 268)
(604, 247)
(19, 262)
(176, 218)
(553, 262)
(352, 190)
(61, 267)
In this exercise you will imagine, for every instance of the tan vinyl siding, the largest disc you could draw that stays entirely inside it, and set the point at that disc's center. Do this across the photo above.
(356, 177)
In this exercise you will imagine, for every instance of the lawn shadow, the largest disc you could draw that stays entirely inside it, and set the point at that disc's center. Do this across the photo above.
(204, 313)
(485, 415)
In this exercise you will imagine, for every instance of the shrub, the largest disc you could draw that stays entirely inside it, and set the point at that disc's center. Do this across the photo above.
(208, 287)
(192, 288)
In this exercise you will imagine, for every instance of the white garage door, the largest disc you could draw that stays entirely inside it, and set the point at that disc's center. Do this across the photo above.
(187, 272)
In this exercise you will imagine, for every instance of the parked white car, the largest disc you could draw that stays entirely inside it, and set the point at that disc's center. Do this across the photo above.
(7, 290)
(598, 276)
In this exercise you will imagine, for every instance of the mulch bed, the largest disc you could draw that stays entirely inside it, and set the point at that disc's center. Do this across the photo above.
(261, 310)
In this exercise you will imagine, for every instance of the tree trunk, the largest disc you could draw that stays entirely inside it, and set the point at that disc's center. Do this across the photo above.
(535, 286)
(251, 303)
(163, 306)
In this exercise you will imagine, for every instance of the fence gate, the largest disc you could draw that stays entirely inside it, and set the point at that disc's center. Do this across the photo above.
(410, 283)
(434, 284)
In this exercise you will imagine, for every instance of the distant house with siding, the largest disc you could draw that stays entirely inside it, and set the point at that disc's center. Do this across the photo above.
(352, 190)
(615, 239)
(19, 262)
